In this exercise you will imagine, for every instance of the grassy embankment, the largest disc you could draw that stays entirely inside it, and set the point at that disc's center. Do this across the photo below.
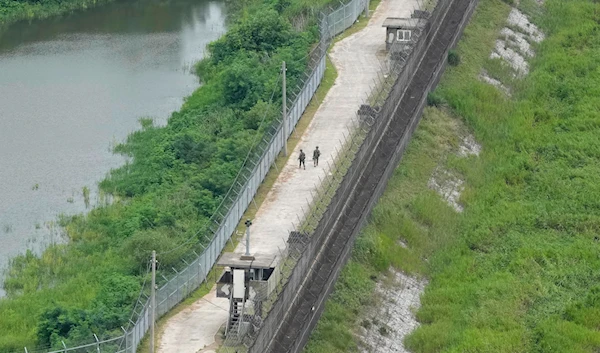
(178, 176)
(518, 270)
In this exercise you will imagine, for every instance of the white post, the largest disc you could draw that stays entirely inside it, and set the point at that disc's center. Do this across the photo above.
(367, 8)
(248, 223)
(284, 100)
(153, 302)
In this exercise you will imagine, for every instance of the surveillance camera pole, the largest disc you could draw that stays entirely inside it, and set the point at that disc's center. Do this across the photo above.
(248, 223)
(247, 255)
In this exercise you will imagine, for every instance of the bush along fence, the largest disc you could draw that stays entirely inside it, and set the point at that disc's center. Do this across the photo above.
(382, 129)
(175, 285)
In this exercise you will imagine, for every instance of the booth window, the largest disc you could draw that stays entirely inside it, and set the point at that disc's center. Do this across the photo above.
(403, 35)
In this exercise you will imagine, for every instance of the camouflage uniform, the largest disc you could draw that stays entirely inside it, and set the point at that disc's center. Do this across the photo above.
(301, 159)
(316, 155)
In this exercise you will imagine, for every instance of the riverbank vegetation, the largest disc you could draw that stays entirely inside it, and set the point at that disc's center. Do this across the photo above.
(15, 10)
(518, 270)
(177, 176)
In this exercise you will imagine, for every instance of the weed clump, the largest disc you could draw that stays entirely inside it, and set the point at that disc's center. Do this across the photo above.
(434, 99)
(383, 331)
(453, 58)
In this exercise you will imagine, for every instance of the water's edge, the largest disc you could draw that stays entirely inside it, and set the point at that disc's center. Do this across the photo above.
(73, 86)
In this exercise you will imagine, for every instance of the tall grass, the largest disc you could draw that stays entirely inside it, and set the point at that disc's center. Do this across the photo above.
(402, 214)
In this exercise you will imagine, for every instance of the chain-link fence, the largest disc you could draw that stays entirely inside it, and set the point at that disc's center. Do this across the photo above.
(178, 283)
(319, 248)
(344, 16)
(181, 283)
(230, 212)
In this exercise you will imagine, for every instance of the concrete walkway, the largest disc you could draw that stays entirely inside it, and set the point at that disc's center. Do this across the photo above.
(358, 59)
(195, 328)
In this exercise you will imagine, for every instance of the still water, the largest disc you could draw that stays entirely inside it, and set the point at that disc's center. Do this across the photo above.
(73, 87)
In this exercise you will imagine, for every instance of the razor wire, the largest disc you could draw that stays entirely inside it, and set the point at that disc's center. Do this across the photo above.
(331, 185)
(285, 293)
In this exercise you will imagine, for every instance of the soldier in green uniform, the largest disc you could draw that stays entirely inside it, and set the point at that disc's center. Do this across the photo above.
(316, 155)
(301, 158)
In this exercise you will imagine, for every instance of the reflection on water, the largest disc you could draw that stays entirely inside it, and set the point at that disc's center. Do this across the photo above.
(72, 87)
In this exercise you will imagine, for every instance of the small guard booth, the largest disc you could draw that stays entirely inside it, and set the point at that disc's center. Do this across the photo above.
(245, 277)
(402, 31)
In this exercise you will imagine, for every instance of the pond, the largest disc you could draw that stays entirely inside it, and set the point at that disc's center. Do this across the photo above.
(74, 86)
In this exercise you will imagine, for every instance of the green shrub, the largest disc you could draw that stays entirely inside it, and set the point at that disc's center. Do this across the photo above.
(176, 177)
(434, 99)
(453, 58)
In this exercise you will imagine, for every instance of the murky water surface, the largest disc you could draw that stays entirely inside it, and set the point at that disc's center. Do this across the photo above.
(72, 87)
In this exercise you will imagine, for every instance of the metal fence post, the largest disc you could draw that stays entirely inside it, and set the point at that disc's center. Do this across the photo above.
(346, 25)
(97, 343)
(125, 336)
(153, 301)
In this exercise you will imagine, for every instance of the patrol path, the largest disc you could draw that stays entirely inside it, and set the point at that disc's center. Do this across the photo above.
(358, 59)
(394, 131)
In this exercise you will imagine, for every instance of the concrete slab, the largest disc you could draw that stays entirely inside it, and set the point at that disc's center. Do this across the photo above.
(358, 59)
(196, 327)
(395, 314)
